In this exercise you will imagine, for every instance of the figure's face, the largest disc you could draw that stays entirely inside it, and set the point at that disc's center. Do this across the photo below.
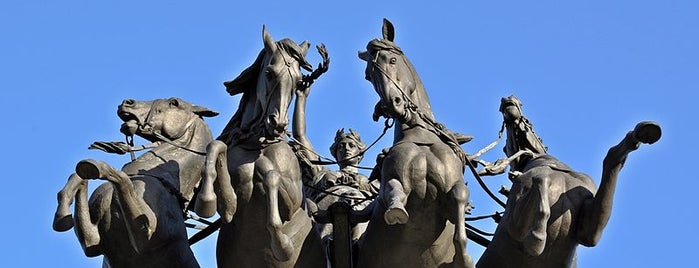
(346, 152)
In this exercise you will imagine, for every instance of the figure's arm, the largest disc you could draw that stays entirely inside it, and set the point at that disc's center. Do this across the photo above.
(298, 127)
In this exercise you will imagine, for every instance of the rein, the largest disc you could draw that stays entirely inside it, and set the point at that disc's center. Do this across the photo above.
(412, 106)
(146, 128)
(327, 161)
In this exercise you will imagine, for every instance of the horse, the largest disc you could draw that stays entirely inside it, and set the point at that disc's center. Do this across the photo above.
(137, 220)
(552, 208)
(251, 176)
(418, 220)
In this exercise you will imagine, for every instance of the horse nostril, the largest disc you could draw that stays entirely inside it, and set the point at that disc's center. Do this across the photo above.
(128, 102)
(397, 100)
(282, 126)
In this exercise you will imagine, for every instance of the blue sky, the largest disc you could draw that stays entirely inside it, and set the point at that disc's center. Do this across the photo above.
(587, 72)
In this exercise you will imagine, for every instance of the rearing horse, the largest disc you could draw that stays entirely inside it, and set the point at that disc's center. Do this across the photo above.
(551, 208)
(266, 223)
(419, 218)
(137, 219)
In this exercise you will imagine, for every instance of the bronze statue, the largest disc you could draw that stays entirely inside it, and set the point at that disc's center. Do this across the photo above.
(418, 220)
(260, 198)
(137, 220)
(552, 208)
(324, 186)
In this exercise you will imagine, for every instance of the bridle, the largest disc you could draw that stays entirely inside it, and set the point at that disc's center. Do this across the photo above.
(147, 129)
(411, 106)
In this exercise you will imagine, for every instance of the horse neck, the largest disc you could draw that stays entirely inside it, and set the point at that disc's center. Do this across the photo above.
(422, 115)
(521, 136)
(178, 164)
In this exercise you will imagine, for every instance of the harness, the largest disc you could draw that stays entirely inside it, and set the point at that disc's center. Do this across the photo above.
(435, 127)
(147, 128)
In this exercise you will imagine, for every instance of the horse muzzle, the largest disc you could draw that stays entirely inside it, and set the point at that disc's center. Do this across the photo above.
(274, 127)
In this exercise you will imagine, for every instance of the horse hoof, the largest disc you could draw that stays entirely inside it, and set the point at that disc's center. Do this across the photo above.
(90, 169)
(396, 215)
(62, 223)
(647, 132)
(205, 207)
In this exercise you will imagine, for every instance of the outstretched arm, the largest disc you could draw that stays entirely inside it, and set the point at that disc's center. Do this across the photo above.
(299, 124)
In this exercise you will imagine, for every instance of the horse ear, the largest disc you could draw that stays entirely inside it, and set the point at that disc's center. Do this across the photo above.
(270, 45)
(304, 48)
(387, 30)
(365, 55)
(203, 111)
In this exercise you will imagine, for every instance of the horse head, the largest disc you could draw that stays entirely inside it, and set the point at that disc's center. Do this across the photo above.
(268, 87)
(161, 118)
(520, 132)
(395, 80)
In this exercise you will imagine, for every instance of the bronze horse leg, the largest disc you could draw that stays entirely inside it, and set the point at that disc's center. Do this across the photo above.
(281, 245)
(216, 169)
(460, 195)
(63, 219)
(598, 210)
(140, 220)
(531, 215)
(87, 232)
(403, 163)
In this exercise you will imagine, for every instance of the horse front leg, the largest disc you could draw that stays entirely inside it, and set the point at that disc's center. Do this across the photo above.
(87, 232)
(403, 163)
(459, 195)
(216, 169)
(63, 219)
(530, 216)
(596, 211)
(281, 244)
(140, 220)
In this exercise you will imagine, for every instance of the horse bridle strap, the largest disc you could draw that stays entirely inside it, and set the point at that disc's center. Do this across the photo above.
(147, 129)
(412, 106)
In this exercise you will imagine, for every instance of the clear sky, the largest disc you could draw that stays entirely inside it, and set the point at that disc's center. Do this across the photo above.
(587, 72)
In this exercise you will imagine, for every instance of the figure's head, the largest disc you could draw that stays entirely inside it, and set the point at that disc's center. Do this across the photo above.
(348, 148)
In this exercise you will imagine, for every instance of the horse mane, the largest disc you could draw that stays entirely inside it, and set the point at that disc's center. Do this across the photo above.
(523, 133)
(246, 83)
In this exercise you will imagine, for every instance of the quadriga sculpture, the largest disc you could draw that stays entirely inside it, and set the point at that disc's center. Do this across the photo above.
(418, 220)
(251, 175)
(552, 208)
(137, 220)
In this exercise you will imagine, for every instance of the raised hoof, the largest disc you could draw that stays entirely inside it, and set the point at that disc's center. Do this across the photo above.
(205, 207)
(284, 251)
(62, 223)
(647, 132)
(396, 215)
(90, 169)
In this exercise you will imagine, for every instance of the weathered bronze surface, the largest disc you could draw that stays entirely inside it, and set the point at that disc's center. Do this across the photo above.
(552, 208)
(279, 206)
(136, 219)
(260, 194)
(418, 220)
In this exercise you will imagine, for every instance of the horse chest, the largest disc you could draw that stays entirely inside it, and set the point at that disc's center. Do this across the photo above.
(565, 195)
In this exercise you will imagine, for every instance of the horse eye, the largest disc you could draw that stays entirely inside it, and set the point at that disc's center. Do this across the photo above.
(392, 61)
